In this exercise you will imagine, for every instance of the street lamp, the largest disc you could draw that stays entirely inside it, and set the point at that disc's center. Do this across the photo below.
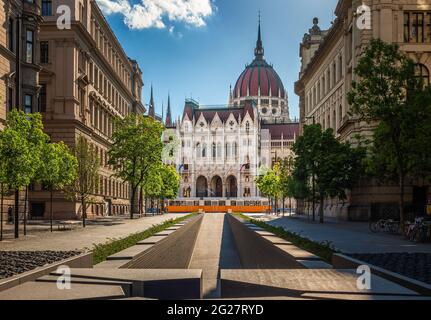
(313, 180)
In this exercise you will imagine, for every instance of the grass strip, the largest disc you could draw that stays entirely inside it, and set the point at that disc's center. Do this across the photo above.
(324, 249)
(102, 251)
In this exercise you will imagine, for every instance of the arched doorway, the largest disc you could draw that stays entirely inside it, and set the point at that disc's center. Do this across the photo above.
(216, 187)
(231, 187)
(201, 187)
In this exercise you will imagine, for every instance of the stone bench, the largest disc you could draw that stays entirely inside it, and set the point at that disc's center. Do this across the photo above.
(68, 224)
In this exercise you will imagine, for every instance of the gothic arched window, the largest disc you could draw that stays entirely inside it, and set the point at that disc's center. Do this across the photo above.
(219, 150)
(198, 150)
(204, 151)
(214, 150)
(228, 150)
(422, 72)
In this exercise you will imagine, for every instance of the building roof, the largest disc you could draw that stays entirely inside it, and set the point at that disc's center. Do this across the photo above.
(259, 75)
(287, 131)
(192, 109)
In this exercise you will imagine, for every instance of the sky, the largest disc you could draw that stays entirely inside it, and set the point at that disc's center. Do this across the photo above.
(198, 48)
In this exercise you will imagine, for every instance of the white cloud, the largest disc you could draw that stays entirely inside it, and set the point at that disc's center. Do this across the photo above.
(154, 13)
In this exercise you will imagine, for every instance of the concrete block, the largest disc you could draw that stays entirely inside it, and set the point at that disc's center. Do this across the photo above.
(129, 253)
(84, 260)
(49, 291)
(152, 240)
(155, 284)
(297, 253)
(315, 264)
(305, 283)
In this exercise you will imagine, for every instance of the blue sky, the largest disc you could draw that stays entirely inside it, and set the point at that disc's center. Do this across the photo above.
(200, 55)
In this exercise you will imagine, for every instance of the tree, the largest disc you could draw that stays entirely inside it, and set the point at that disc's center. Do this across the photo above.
(21, 144)
(153, 183)
(136, 148)
(285, 178)
(335, 166)
(389, 94)
(58, 170)
(87, 175)
(170, 182)
(269, 184)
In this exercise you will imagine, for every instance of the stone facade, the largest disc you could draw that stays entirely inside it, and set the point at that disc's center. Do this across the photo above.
(19, 31)
(86, 81)
(328, 60)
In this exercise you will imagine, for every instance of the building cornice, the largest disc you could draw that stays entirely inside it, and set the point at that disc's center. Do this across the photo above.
(330, 40)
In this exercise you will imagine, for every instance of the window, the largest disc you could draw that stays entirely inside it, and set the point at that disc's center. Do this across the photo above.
(417, 27)
(204, 151)
(28, 103)
(422, 72)
(10, 34)
(214, 150)
(44, 52)
(42, 98)
(29, 46)
(47, 7)
(10, 99)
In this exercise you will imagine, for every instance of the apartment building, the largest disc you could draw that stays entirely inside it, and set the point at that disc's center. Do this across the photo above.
(86, 80)
(329, 58)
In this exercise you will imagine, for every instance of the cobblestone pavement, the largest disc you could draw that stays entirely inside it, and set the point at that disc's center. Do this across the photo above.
(412, 265)
(98, 231)
(15, 262)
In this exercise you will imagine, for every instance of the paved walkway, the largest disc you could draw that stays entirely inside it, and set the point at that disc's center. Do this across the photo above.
(348, 237)
(97, 232)
(214, 249)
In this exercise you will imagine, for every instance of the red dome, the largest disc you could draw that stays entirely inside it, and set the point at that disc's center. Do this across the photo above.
(259, 74)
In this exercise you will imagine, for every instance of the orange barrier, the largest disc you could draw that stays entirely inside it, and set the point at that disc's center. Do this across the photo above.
(241, 209)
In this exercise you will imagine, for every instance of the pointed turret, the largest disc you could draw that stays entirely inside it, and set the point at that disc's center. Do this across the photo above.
(168, 113)
(151, 108)
(259, 51)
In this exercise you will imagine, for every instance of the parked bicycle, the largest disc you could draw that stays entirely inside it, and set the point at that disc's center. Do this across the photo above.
(419, 231)
(385, 225)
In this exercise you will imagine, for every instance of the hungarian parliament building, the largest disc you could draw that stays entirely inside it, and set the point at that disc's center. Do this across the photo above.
(220, 151)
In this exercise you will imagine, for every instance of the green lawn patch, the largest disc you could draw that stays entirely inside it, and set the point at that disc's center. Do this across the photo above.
(104, 250)
(324, 249)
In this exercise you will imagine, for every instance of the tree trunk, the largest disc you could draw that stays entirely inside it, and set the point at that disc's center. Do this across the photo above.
(25, 210)
(16, 227)
(284, 199)
(290, 206)
(51, 213)
(314, 199)
(83, 211)
(1, 212)
(145, 205)
(321, 213)
(132, 202)
(140, 201)
(401, 201)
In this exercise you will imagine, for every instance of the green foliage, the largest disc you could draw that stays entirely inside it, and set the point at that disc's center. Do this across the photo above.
(324, 249)
(136, 150)
(171, 182)
(87, 172)
(59, 166)
(21, 146)
(390, 93)
(102, 251)
(336, 166)
(269, 183)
